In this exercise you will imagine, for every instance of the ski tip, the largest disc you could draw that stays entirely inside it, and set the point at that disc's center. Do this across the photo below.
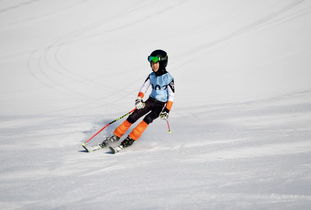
(84, 147)
(112, 150)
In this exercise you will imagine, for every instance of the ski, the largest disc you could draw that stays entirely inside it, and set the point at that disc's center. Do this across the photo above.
(104, 144)
(108, 142)
(117, 149)
(124, 144)
(92, 148)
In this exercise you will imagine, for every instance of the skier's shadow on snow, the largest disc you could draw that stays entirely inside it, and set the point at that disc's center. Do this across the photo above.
(83, 150)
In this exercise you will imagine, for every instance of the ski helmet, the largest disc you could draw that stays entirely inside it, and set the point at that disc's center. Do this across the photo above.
(159, 56)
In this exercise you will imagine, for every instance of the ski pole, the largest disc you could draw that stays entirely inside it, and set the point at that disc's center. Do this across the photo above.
(168, 126)
(95, 134)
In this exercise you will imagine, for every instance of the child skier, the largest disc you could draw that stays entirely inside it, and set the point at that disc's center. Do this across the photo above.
(158, 104)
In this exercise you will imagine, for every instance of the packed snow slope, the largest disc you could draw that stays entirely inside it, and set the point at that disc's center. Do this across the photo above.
(241, 120)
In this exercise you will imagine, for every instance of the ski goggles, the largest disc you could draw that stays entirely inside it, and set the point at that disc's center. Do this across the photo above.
(155, 59)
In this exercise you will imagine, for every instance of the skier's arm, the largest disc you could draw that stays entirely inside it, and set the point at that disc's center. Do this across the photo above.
(171, 93)
(139, 103)
(144, 88)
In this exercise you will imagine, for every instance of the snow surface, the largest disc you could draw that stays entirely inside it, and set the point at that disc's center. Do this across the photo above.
(241, 120)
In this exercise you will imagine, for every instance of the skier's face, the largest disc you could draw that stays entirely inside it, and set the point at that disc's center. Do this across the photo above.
(155, 66)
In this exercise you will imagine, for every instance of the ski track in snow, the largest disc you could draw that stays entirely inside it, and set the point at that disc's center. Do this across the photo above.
(68, 69)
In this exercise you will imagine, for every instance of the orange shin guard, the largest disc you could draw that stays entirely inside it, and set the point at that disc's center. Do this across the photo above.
(138, 130)
(121, 129)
